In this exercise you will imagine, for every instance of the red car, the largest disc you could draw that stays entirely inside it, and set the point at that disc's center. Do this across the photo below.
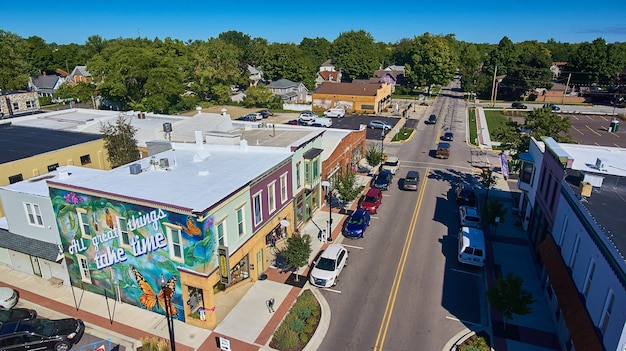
(373, 199)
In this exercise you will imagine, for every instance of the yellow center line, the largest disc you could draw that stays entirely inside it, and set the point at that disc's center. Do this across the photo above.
(391, 300)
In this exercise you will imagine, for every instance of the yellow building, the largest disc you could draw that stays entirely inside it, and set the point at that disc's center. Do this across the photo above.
(29, 152)
(353, 97)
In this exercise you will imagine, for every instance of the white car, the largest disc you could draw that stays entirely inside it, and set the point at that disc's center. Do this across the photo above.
(328, 266)
(469, 216)
(392, 164)
(8, 297)
(335, 112)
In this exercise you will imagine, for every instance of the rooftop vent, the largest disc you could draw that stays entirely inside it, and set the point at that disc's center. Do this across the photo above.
(135, 168)
(601, 164)
(164, 162)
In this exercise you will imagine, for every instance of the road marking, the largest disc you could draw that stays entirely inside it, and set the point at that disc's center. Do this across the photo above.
(391, 300)
(375, 217)
(352, 246)
(466, 272)
(598, 134)
(462, 321)
(576, 129)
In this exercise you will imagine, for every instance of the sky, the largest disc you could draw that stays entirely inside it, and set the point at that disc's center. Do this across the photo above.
(281, 21)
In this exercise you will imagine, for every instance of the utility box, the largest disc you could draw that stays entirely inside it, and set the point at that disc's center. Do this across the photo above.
(135, 168)
(614, 127)
(167, 127)
(585, 189)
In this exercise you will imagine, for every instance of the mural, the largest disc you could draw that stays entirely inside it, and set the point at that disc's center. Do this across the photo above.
(132, 252)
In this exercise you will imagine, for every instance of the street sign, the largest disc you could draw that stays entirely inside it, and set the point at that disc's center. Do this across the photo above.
(224, 344)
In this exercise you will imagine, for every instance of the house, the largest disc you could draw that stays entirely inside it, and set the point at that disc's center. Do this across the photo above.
(289, 91)
(79, 74)
(391, 75)
(18, 102)
(256, 75)
(576, 230)
(556, 68)
(355, 97)
(327, 76)
(328, 66)
(45, 85)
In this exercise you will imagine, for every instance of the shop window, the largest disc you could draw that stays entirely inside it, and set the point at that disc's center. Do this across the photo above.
(15, 178)
(53, 167)
(85, 159)
(195, 301)
(240, 271)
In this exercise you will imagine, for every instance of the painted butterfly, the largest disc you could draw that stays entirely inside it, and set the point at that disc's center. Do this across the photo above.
(149, 299)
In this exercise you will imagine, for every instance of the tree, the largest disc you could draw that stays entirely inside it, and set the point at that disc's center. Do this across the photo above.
(120, 142)
(258, 96)
(431, 61)
(346, 186)
(81, 91)
(488, 180)
(374, 155)
(508, 297)
(297, 252)
(215, 62)
(493, 209)
(355, 54)
(289, 62)
(543, 122)
(14, 67)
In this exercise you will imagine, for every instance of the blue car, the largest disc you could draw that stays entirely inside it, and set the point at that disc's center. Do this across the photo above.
(356, 224)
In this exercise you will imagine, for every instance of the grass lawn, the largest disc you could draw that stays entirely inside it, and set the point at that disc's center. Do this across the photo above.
(473, 135)
(495, 119)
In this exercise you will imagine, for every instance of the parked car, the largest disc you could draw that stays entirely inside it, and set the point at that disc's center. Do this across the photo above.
(410, 180)
(250, 117)
(465, 194)
(383, 179)
(432, 119)
(518, 105)
(16, 314)
(41, 333)
(335, 112)
(8, 297)
(328, 266)
(356, 224)
(372, 200)
(469, 216)
(265, 113)
(447, 136)
(392, 164)
(321, 122)
(552, 106)
(297, 122)
(307, 116)
(380, 125)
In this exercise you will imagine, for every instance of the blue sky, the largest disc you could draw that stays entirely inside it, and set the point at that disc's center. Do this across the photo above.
(282, 21)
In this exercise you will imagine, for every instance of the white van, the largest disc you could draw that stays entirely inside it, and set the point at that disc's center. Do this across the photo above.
(335, 112)
(321, 122)
(471, 248)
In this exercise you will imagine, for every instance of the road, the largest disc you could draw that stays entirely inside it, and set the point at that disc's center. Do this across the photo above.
(403, 288)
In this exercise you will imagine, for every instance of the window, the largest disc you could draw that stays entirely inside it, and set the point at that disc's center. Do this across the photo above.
(85, 275)
(574, 252)
(283, 188)
(122, 224)
(220, 228)
(563, 231)
(53, 167)
(367, 107)
(241, 229)
(592, 268)
(553, 196)
(527, 172)
(83, 222)
(315, 168)
(608, 309)
(85, 159)
(33, 212)
(298, 182)
(175, 242)
(16, 106)
(258, 216)
(30, 104)
(271, 197)
(15, 178)
(307, 172)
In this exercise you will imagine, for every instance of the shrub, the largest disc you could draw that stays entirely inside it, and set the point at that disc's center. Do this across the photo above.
(304, 338)
(309, 328)
(474, 343)
(154, 343)
(312, 320)
(285, 338)
(297, 325)
(304, 312)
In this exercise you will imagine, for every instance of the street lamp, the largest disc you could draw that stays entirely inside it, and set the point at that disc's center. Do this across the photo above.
(382, 140)
(329, 188)
(167, 291)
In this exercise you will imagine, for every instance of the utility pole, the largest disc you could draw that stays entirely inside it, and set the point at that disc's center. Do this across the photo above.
(493, 87)
(566, 86)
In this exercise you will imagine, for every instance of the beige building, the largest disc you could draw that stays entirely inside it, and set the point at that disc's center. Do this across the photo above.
(353, 97)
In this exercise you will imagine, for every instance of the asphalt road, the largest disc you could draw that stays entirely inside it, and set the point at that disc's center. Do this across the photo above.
(403, 288)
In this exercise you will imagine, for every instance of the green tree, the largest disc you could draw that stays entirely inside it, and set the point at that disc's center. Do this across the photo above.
(543, 122)
(297, 252)
(431, 61)
(374, 155)
(317, 50)
(488, 180)
(120, 142)
(492, 209)
(289, 62)
(81, 91)
(14, 66)
(355, 54)
(346, 186)
(259, 96)
(509, 298)
(215, 62)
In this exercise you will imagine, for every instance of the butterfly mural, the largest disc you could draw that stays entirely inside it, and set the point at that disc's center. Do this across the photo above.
(191, 228)
(149, 298)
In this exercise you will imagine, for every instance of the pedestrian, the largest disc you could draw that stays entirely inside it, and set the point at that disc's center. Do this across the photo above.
(270, 305)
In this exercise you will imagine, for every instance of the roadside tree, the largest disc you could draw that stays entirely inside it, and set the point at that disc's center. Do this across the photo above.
(346, 186)
(509, 298)
(297, 252)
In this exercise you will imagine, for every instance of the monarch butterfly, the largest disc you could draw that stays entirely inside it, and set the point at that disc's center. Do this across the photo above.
(191, 228)
(149, 299)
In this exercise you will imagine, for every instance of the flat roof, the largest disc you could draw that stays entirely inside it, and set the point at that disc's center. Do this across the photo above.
(198, 177)
(19, 142)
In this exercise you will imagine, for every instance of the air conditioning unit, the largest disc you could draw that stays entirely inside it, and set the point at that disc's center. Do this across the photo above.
(167, 127)
(601, 164)
(164, 162)
(135, 168)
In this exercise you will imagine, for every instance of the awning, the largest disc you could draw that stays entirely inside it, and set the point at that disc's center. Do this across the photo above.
(29, 246)
(311, 154)
(577, 320)
(525, 156)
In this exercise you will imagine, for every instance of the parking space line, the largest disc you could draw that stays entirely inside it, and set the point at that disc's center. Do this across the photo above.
(576, 129)
(462, 321)
(598, 134)
(466, 272)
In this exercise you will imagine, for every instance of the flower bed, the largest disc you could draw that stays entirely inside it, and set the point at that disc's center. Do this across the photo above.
(296, 329)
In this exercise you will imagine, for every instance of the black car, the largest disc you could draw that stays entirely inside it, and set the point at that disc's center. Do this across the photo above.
(518, 105)
(465, 194)
(265, 113)
(41, 333)
(383, 179)
(16, 314)
(431, 120)
(447, 136)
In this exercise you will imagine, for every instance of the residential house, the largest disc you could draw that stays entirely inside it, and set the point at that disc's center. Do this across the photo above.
(328, 66)
(256, 76)
(289, 91)
(79, 74)
(393, 75)
(353, 97)
(328, 73)
(17, 102)
(45, 85)
(576, 231)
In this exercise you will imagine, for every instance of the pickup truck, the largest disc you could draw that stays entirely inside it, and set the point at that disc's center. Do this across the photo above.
(443, 150)
(392, 164)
